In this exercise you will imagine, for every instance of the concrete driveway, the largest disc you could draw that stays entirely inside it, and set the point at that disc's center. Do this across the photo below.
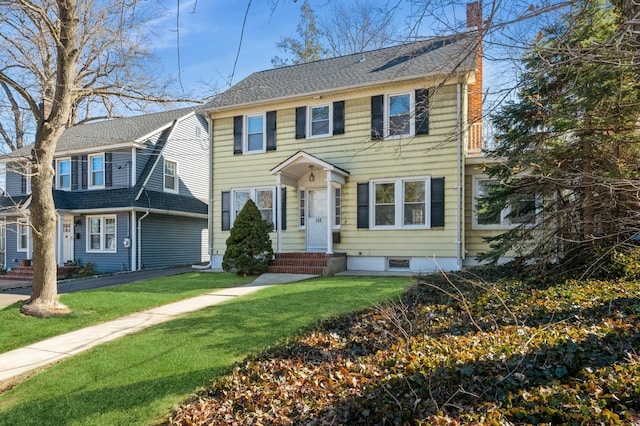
(12, 292)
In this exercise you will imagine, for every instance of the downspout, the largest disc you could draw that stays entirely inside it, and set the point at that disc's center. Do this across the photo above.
(459, 151)
(210, 207)
(140, 239)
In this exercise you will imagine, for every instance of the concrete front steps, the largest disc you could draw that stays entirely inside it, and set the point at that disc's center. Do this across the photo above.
(308, 263)
(25, 273)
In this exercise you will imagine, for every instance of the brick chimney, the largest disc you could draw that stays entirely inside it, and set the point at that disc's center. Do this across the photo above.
(474, 23)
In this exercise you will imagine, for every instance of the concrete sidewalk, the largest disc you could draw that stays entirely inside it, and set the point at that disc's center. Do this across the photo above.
(23, 360)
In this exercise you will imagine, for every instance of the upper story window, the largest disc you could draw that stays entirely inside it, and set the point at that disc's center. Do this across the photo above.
(96, 171)
(255, 139)
(400, 203)
(400, 114)
(254, 134)
(520, 211)
(320, 123)
(63, 174)
(170, 176)
(399, 117)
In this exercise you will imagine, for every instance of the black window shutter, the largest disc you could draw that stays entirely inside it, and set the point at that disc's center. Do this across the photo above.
(226, 210)
(271, 130)
(283, 213)
(338, 118)
(74, 173)
(108, 169)
(377, 117)
(363, 205)
(422, 111)
(301, 122)
(84, 165)
(23, 183)
(437, 202)
(237, 134)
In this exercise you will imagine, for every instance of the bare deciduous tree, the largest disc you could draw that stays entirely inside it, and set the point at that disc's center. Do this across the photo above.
(61, 62)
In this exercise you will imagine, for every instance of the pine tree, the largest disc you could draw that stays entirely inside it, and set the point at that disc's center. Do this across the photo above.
(249, 248)
(570, 142)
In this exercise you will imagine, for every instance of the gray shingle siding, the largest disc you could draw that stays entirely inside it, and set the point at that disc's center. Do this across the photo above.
(13, 183)
(172, 240)
(13, 256)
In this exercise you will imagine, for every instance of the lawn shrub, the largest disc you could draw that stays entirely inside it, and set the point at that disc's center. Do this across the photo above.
(249, 248)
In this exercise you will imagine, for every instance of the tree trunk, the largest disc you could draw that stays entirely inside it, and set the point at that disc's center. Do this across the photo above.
(44, 291)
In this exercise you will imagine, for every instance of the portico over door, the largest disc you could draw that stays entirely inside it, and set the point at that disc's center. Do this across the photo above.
(319, 178)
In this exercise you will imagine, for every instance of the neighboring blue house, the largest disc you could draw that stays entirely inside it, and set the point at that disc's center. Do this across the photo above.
(130, 193)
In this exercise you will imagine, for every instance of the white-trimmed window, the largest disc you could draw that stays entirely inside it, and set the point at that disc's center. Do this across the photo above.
(96, 171)
(255, 140)
(399, 115)
(320, 121)
(264, 199)
(63, 174)
(527, 209)
(170, 176)
(24, 232)
(400, 203)
(337, 218)
(101, 234)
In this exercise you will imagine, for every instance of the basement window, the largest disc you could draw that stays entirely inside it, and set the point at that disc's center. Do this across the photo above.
(398, 263)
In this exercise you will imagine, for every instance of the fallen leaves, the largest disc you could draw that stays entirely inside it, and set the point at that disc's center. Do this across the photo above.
(504, 352)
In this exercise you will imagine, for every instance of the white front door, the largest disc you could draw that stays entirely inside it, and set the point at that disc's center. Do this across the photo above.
(67, 239)
(317, 220)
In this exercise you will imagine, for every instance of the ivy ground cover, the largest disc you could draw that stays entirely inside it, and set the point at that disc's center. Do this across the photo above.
(454, 350)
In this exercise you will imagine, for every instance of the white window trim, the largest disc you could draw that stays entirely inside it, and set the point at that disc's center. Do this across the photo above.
(505, 222)
(245, 138)
(90, 171)
(21, 223)
(399, 202)
(335, 216)
(412, 115)
(58, 174)
(302, 210)
(102, 234)
(310, 124)
(176, 186)
(252, 195)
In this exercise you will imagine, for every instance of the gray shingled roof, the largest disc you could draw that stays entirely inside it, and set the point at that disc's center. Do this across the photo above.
(431, 57)
(111, 132)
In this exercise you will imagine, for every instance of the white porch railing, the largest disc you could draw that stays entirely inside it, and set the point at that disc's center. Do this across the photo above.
(479, 137)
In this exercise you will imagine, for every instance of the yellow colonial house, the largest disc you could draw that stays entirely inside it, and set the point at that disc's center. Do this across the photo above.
(363, 162)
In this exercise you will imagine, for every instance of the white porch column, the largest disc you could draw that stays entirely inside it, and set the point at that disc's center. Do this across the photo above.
(134, 240)
(59, 240)
(330, 212)
(278, 213)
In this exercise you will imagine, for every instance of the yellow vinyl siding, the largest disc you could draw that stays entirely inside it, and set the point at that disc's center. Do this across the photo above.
(425, 155)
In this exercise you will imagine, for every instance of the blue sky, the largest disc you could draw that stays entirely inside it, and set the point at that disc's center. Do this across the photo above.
(210, 33)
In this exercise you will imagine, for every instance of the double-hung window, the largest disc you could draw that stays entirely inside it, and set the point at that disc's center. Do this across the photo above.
(101, 234)
(399, 115)
(96, 171)
(320, 122)
(400, 203)
(170, 176)
(255, 136)
(520, 210)
(64, 174)
(264, 199)
(24, 231)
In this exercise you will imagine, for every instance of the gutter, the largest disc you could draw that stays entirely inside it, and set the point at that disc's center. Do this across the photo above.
(459, 177)
(139, 231)
(210, 209)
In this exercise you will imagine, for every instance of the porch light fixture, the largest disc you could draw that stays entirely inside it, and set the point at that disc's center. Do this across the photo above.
(312, 177)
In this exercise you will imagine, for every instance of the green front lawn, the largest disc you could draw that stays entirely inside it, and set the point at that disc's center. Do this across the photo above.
(103, 304)
(139, 379)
